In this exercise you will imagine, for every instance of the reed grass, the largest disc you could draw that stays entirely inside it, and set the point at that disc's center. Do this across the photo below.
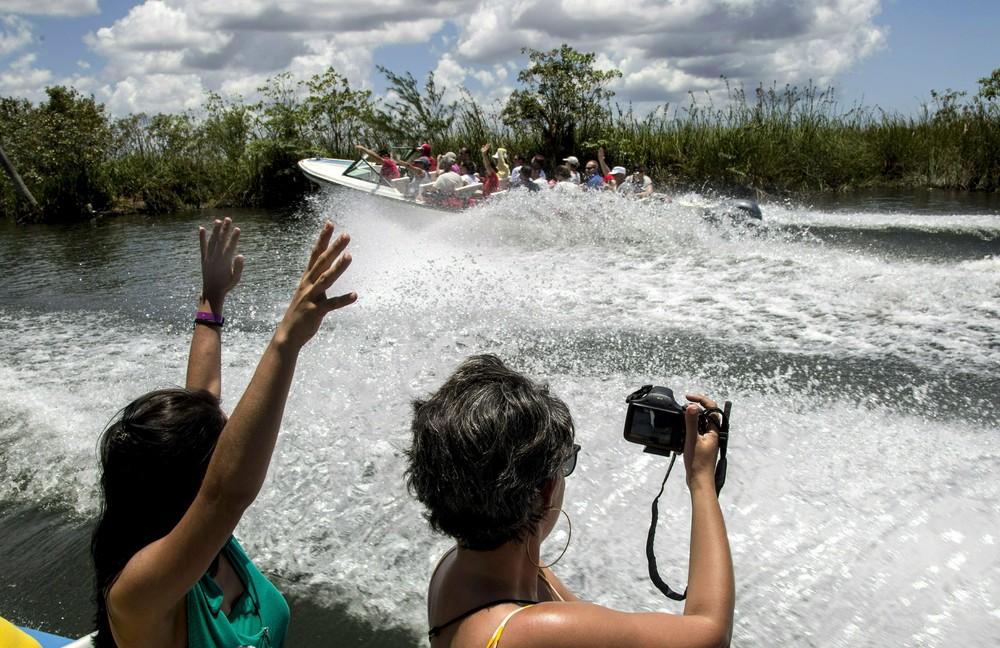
(772, 140)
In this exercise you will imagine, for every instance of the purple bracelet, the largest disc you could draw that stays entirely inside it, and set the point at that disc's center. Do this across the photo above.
(205, 317)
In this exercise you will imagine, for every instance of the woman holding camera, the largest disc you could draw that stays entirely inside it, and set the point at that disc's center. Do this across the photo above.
(490, 452)
(177, 475)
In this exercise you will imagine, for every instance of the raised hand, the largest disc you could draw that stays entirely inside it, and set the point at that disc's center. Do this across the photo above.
(221, 267)
(310, 304)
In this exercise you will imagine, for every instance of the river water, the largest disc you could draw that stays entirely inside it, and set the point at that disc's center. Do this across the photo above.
(859, 344)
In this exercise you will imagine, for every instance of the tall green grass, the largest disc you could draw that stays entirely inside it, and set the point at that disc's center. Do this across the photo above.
(77, 160)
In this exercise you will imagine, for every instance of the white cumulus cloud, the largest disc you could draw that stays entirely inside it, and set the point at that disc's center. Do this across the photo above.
(49, 7)
(664, 49)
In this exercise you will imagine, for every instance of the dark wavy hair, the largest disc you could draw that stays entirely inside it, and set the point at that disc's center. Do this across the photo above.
(153, 459)
(484, 445)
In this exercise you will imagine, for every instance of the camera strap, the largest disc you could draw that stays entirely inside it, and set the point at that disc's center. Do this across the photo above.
(720, 481)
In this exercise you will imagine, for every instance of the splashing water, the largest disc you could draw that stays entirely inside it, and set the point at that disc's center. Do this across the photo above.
(860, 351)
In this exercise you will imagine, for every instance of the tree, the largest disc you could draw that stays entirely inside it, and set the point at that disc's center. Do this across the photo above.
(989, 87)
(59, 149)
(563, 94)
(415, 114)
(339, 117)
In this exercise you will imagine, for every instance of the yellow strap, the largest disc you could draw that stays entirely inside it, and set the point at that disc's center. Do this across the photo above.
(556, 596)
(13, 637)
(495, 640)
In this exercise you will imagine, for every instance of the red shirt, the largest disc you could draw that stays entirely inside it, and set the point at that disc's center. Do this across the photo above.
(389, 169)
(491, 184)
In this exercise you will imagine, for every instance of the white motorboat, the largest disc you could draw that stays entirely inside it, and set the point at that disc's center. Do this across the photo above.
(363, 175)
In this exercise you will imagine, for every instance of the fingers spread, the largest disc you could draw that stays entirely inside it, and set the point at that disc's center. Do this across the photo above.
(321, 244)
(203, 237)
(327, 258)
(328, 278)
(333, 303)
(231, 245)
(237, 269)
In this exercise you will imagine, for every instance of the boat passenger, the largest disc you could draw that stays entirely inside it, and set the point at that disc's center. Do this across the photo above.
(592, 180)
(615, 178)
(389, 169)
(448, 162)
(446, 183)
(420, 174)
(539, 161)
(515, 172)
(564, 180)
(503, 170)
(490, 457)
(538, 175)
(490, 177)
(638, 185)
(524, 180)
(424, 150)
(574, 168)
(177, 475)
(469, 172)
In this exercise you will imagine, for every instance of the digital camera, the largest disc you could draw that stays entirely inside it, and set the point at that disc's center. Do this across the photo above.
(655, 420)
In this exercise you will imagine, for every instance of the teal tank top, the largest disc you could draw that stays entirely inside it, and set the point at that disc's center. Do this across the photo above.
(259, 618)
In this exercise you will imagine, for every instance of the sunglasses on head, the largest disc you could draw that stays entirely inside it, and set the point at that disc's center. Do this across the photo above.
(569, 464)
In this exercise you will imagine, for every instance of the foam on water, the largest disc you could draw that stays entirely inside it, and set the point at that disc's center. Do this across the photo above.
(861, 498)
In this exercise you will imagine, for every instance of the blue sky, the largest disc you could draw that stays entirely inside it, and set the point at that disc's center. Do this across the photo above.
(163, 55)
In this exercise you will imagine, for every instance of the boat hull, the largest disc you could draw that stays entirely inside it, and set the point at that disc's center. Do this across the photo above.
(361, 176)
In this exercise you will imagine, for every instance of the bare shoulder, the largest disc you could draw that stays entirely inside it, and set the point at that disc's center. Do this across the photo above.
(580, 624)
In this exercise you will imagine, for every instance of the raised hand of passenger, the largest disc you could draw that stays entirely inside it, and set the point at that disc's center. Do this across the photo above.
(221, 267)
(701, 451)
(310, 304)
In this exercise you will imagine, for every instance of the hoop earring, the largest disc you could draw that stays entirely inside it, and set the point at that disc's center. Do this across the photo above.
(561, 554)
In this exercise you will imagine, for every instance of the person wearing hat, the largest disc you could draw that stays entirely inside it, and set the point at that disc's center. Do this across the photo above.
(613, 178)
(424, 150)
(574, 168)
(420, 172)
(448, 162)
(503, 170)
(638, 185)
(490, 176)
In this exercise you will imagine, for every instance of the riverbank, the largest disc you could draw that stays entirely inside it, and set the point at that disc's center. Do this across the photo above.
(784, 143)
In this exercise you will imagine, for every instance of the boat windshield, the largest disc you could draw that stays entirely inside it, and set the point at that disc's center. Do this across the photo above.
(363, 170)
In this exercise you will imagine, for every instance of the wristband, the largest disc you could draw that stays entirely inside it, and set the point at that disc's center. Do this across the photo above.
(211, 319)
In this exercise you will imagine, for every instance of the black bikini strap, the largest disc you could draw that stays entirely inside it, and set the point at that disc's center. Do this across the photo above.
(436, 630)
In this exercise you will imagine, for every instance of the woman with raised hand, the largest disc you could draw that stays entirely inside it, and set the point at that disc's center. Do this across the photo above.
(177, 475)
(490, 453)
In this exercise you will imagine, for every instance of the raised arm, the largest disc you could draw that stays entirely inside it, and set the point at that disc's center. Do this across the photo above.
(143, 602)
(707, 621)
(368, 152)
(487, 164)
(605, 169)
(414, 169)
(711, 585)
(221, 269)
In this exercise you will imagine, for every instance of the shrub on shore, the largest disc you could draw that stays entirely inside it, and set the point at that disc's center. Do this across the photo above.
(77, 160)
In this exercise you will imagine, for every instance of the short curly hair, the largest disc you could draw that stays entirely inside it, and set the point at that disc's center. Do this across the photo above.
(484, 445)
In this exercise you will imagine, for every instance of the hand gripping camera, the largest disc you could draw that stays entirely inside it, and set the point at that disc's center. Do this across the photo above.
(655, 420)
